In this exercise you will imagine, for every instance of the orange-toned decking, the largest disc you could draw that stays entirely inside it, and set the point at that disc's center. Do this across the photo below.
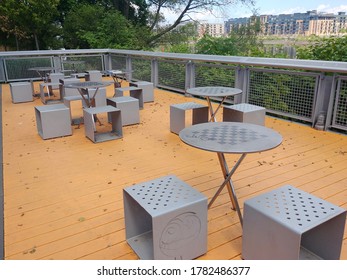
(63, 197)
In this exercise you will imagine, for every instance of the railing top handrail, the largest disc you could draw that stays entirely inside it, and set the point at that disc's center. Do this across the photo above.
(313, 65)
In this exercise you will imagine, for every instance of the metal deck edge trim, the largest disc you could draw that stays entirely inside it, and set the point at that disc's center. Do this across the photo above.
(2, 240)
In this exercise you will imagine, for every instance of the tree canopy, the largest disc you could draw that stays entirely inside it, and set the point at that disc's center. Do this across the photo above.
(328, 48)
(133, 24)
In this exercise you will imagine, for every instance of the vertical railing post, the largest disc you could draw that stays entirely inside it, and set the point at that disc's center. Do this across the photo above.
(241, 82)
(154, 72)
(57, 63)
(190, 75)
(107, 59)
(129, 68)
(322, 99)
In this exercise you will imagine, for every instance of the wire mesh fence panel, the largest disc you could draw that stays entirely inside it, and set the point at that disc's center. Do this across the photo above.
(19, 68)
(340, 108)
(118, 62)
(172, 74)
(211, 74)
(82, 63)
(214, 75)
(286, 93)
(142, 70)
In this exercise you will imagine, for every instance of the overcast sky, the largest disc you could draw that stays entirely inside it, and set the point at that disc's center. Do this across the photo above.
(273, 7)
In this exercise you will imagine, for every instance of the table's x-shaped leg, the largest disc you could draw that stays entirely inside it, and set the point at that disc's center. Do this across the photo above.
(90, 102)
(227, 181)
(214, 112)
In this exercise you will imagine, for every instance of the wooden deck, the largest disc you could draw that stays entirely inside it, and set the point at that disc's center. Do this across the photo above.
(63, 197)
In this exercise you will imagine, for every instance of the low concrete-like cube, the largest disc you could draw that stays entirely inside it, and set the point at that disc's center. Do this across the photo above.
(90, 116)
(68, 91)
(178, 115)
(129, 107)
(133, 92)
(147, 89)
(93, 76)
(100, 97)
(21, 92)
(54, 78)
(53, 121)
(244, 112)
(67, 103)
(290, 224)
(165, 219)
(47, 94)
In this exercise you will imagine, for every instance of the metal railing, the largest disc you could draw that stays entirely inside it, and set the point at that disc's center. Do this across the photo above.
(295, 89)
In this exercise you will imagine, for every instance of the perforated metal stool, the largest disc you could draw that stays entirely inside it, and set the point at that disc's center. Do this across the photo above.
(288, 223)
(178, 115)
(244, 112)
(165, 219)
(129, 107)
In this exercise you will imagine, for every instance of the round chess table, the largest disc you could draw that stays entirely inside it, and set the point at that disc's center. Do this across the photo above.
(234, 138)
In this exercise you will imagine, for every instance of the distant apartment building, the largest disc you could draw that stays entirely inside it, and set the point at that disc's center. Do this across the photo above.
(311, 22)
(211, 29)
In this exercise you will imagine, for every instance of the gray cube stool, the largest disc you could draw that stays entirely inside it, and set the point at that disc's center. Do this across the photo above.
(68, 91)
(147, 89)
(244, 112)
(290, 224)
(67, 103)
(178, 115)
(165, 219)
(93, 76)
(100, 97)
(133, 92)
(48, 96)
(54, 78)
(114, 115)
(21, 92)
(53, 121)
(129, 107)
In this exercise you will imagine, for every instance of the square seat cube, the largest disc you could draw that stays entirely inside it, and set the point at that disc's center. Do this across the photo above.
(290, 224)
(93, 76)
(100, 96)
(68, 91)
(133, 92)
(129, 107)
(54, 78)
(47, 95)
(21, 92)
(178, 115)
(244, 112)
(67, 102)
(53, 121)
(165, 218)
(147, 89)
(104, 133)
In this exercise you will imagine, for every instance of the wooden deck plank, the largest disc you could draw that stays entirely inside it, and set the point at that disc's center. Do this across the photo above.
(63, 197)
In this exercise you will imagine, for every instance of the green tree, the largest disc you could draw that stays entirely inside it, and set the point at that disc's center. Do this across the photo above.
(30, 20)
(242, 42)
(93, 26)
(328, 48)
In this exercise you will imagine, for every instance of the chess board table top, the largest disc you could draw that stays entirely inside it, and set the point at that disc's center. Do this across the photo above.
(230, 137)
